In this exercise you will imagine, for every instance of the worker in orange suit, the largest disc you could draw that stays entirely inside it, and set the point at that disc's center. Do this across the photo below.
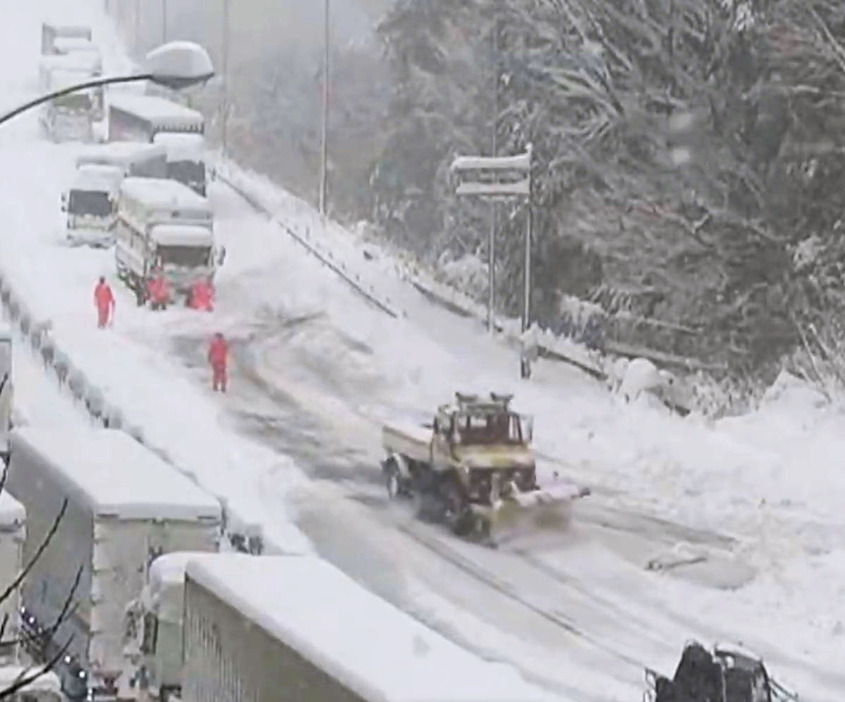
(218, 358)
(104, 300)
(202, 295)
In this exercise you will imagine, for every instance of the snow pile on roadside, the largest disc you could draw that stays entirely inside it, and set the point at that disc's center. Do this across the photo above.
(380, 274)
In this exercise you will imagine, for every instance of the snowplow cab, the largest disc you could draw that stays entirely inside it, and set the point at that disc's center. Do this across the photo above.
(486, 444)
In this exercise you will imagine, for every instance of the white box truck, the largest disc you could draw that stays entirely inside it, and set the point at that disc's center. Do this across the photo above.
(270, 628)
(125, 507)
(154, 622)
(91, 205)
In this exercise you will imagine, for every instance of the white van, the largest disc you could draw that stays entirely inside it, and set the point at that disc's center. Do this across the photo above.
(91, 205)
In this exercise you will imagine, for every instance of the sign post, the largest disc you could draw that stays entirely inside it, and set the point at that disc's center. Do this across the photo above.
(497, 178)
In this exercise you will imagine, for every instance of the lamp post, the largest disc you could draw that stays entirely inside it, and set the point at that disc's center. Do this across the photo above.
(324, 150)
(498, 178)
(177, 65)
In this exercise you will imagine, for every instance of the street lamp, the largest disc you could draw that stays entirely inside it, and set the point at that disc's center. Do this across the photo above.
(177, 65)
(501, 178)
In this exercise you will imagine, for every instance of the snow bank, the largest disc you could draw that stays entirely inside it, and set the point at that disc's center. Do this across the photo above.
(319, 611)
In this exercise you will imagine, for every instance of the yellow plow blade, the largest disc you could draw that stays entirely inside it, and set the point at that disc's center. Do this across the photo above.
(523, 513)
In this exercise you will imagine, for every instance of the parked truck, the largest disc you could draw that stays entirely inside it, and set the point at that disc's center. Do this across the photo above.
(135, 117)
(272, 628)
(50, 32)
(154, 627)
(68, 117)
(125, 507)
(133, 158)
(185, 159)
(91, 205)
(176, 127)
(164, 224)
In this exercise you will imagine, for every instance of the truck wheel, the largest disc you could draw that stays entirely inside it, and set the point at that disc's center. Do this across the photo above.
(456, 510)
(392, 479)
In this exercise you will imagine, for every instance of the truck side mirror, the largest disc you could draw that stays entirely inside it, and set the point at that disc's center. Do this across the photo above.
(64, 202)
(221, 255)
(527, 429)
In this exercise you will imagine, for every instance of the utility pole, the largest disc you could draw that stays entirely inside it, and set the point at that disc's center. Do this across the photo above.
(225, 52)
(324, 156)
(163, 21)
(491, 246)
(137, 43)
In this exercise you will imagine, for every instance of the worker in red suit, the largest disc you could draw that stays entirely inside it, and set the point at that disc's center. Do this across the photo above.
(158, 290)
(104, 301)
(218, 357)
(202, 295)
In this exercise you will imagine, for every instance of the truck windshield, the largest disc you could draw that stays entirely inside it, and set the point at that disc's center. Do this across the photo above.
(488, 429)
(187, 172)
(88, 202)
(189, 256)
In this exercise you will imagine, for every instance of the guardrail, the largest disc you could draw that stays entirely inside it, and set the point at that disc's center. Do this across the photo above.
(242, 535)
(326, 258)
(562, 350)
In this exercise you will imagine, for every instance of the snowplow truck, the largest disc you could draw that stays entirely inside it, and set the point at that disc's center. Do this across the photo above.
(725, 674)
(473, 469)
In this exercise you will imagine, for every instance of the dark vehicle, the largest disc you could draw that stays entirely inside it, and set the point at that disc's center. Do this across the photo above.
(727, 674)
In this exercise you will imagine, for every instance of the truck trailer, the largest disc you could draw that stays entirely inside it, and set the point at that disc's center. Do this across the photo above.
(270, 628)
(125, 507)
(155, 623)
(135, 117)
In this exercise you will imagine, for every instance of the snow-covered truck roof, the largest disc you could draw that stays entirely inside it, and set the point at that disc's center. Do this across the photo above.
(120, 153)
(180, 146)
(88, 63)
(113, 474)
(322, 613)
(12, 512)
(67, 45)
(159, 111)
(163, 193)
(62, 29)
(182, 235)
(94, 177)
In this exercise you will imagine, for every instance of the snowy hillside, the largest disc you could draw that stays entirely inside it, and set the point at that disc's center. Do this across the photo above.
(295, 445)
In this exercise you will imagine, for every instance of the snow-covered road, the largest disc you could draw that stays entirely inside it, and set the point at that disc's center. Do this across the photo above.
(297, 441)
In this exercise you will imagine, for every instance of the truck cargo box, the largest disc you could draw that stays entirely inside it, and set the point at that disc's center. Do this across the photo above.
(125, 507)
(270, 628)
